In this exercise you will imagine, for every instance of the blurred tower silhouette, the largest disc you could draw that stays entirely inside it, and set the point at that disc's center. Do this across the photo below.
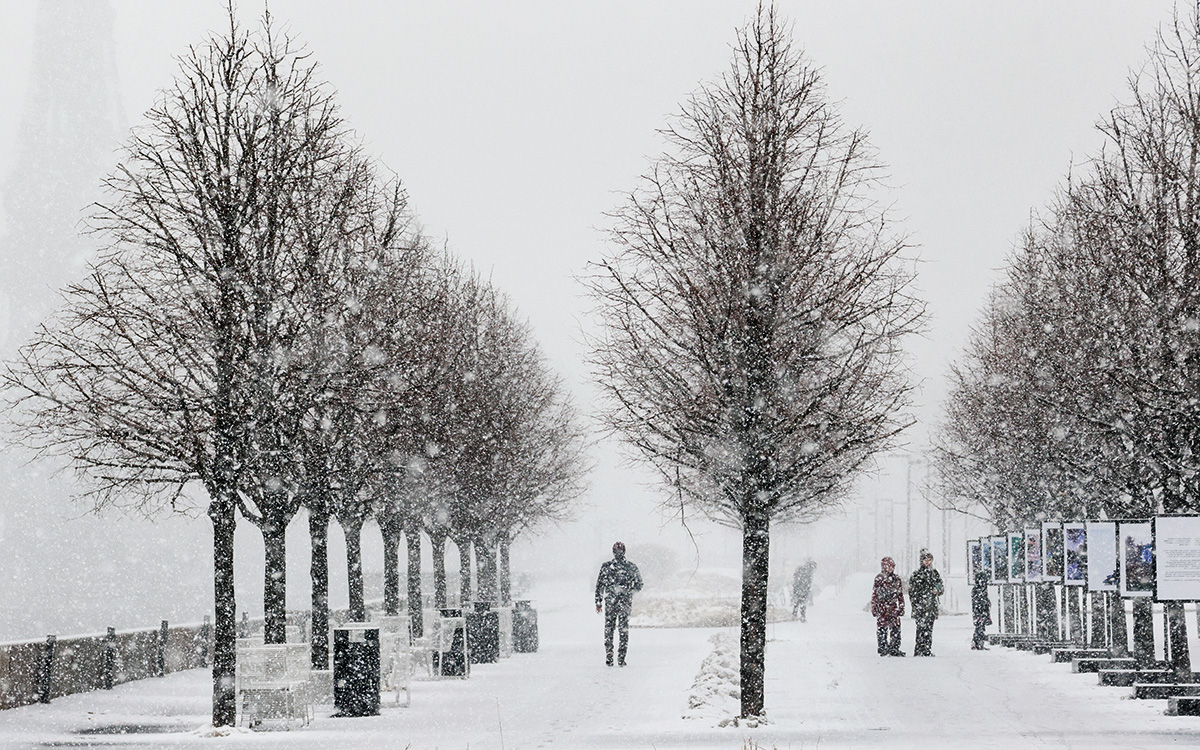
(70, 129)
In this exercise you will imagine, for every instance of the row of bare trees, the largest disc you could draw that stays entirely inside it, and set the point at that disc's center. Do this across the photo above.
(1079, 395)
(266, 322)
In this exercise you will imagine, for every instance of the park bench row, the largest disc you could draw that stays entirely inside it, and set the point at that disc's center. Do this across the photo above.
(374, 660)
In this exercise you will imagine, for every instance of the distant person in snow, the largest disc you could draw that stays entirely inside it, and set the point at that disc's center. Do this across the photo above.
(618, 579)
(981, 610)
(887, 605)
(802, 589)
(924, 587)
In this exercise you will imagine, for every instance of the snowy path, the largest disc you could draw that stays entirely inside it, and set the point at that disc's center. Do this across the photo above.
(826, 688)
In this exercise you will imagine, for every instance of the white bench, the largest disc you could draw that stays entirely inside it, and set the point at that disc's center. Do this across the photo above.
(506, 635)
(423, 648)
(451, 629)
(395, 656)
(272, 682)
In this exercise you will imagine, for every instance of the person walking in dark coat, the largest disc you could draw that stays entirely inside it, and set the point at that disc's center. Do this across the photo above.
(802, 589)
(981, 610)
(887, 606)
(924, 587)
(615, 586)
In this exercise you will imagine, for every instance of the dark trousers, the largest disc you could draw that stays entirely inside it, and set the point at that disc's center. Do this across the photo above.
(980, 637)
(924, 637)
(889, 639)
(616, 618)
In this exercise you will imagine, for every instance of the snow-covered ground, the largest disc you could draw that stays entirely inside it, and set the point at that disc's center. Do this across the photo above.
(826, 688)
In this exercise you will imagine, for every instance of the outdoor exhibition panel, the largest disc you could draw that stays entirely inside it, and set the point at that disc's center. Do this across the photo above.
(974, 558)
(1052, 549)
(986, 558)
(1033, 555)
(1074, 554)
(1016, 556)
(1103, 571)
(1000, 559)
(1136, 547)
(1176, 558)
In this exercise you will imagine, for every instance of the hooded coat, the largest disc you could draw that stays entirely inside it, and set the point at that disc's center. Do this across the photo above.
(925, 586)
(887, 600)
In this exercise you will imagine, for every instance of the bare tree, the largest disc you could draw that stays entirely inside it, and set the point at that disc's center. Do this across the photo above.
(754, 308)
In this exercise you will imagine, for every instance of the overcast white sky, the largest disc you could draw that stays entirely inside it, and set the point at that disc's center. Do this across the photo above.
(516, 125)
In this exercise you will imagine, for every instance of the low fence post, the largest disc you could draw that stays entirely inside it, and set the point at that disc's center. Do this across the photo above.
(110, 658)
(47, 670)
(162, 649)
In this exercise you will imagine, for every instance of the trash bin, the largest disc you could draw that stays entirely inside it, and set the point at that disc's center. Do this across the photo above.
(525, 627)
(356, 669)
(483, 634)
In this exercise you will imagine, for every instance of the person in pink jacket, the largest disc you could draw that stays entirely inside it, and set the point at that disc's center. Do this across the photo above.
(887, 605)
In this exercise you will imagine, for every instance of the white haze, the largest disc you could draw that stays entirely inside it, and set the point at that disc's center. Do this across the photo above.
(515, 126)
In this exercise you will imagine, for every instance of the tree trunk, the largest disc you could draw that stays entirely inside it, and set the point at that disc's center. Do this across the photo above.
(1008, 596)
(1027, 603)
(1047, 611)
(318, 534)
(505, 571)
(224, 701)
(391, 569)
(1116, 618)
(1181, 663)
(1143, 632)
(1075, 612)
(755, 569)
(1096, 635)
(354, 574)
(485, 563)
(437, 544)
(274, 534)
(465, 595)
(412, 540)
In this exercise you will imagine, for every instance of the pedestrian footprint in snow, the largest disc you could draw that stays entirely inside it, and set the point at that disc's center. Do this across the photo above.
(925, 586)
(887, 605)
(618, 580)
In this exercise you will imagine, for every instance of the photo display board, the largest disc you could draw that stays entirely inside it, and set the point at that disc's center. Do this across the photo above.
(1104, 573)
(1177, 558)
(1016, 556)
(1000, 558)
(985, 558)
(1052, 551)
(974, 559)
(1136, 540)
(1033, 555)
(1075, 552)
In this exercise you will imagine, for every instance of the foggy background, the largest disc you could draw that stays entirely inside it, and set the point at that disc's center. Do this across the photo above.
(514, 128)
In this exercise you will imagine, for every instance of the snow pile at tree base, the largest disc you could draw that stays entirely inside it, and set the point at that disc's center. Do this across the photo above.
(706, 598)
(209, 731)
(716, 691)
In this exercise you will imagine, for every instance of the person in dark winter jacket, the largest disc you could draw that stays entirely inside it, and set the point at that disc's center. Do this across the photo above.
(887, 606)
(618, 580)
(802, 589)
(981, 610)
(924, 588)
